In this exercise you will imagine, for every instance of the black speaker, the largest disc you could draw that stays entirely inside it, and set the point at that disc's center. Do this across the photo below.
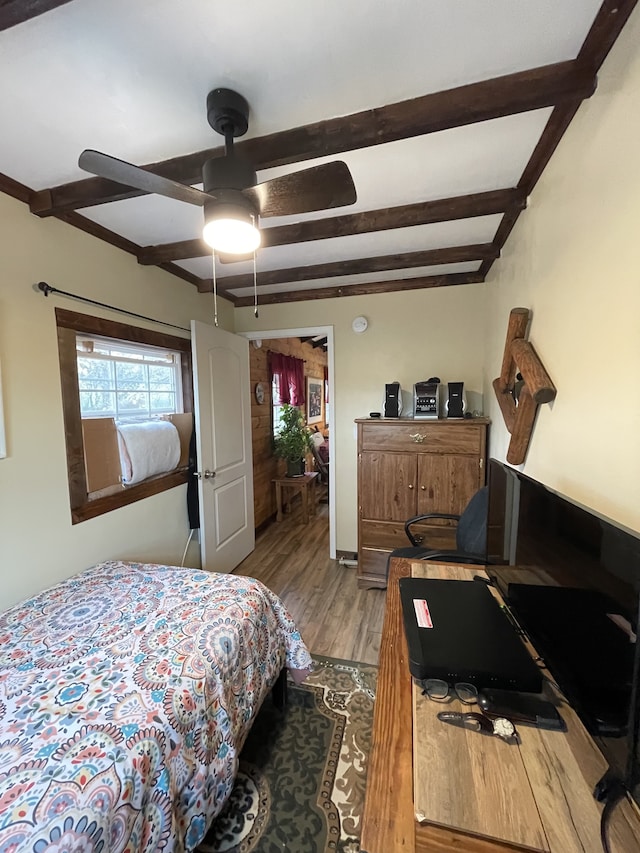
(392, 400)
(455, 400)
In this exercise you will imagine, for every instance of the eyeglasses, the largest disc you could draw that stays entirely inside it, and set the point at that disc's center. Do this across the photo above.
(439, 690)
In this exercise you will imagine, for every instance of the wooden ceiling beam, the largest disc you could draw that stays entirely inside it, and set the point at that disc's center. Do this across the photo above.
(359, 266)
(315, 342)
(367, 289)
(488, 99)
(15, 188)
(13, 12)
(607, 26)
(24, 194)
(385, 219)
(120, 242)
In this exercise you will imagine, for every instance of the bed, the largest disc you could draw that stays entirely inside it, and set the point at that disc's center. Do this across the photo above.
(126, 694)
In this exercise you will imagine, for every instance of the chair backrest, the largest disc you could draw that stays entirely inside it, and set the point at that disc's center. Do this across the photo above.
(321, 466)
(471, 532)
(317, 438)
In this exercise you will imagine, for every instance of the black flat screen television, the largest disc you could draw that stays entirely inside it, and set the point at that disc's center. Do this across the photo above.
(575, 593)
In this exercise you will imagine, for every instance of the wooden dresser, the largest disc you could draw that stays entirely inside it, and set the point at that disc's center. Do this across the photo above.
(408, 467)
(548, 804)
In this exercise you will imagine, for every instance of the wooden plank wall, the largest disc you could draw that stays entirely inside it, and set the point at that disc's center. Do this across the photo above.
(265, 465)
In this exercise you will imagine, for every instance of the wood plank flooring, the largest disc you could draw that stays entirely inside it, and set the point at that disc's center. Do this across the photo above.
(334, 617)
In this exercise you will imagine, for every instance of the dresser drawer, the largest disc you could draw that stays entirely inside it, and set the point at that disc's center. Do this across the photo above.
(424, 437)
(385, 536)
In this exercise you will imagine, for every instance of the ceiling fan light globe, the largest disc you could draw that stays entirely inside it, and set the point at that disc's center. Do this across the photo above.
(231, 234)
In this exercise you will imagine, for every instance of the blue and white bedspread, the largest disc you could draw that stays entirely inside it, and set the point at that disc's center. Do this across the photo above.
(126, 693)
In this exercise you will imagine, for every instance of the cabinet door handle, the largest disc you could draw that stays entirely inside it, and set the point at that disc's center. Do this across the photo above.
(418, 437)
(424, 488)
(410, 485)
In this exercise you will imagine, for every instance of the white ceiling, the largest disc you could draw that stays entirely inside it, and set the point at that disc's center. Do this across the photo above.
(131, 79)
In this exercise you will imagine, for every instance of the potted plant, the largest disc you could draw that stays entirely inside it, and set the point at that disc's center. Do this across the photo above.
(292, 440)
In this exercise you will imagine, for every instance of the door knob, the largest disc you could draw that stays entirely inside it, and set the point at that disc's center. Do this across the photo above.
(204, 475)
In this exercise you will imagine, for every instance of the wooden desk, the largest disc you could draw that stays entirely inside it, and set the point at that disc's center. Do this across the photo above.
(561, 785)
(303, 485)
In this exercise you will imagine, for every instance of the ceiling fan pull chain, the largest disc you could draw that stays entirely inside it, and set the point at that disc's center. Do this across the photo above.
(255, 286)
(215, 290)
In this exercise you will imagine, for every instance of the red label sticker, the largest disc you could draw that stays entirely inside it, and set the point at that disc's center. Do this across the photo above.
(423, 616)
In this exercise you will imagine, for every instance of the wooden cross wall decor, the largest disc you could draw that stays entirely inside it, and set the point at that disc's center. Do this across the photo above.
(519, 409)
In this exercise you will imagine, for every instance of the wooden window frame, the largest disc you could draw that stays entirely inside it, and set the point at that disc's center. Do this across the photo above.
(69, 324)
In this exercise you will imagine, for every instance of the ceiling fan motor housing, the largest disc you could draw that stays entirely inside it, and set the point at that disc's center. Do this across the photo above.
(231, 204)
(228, 173)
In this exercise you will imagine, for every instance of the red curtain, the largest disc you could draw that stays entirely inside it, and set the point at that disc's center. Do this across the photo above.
(290, 371)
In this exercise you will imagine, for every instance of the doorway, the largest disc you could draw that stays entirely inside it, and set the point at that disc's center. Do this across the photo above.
(309, 332)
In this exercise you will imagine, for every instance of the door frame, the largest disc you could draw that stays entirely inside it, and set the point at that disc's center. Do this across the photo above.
(304, 332)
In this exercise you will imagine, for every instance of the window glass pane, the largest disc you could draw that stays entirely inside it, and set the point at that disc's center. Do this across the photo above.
(133, 403)
(161, 403)
(132, 386)
(93, 369)
(97, 404)
(276, 407)
(131, 376)
(117, 352)
(161, 376)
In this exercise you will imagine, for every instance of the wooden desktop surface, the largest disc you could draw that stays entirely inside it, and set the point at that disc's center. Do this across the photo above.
(561, 770)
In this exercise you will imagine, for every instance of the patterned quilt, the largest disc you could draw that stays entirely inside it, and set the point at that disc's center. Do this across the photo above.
(126, 693)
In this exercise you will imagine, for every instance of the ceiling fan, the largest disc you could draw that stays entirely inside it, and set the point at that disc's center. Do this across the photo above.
(233, 201)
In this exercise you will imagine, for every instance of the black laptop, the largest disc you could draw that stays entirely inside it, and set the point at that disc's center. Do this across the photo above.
(457, 631)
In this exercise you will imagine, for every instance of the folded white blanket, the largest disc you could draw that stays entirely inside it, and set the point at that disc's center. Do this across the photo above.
(147, 449)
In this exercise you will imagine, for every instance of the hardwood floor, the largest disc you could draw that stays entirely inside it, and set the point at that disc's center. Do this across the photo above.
(334, 617)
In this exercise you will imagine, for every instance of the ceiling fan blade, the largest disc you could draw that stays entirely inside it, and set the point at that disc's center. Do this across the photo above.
(317, 188)
(125, 173)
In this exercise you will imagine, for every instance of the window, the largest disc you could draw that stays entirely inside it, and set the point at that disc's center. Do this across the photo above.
(287, 384)
(126, 381)
(276, 404)
(111, 372)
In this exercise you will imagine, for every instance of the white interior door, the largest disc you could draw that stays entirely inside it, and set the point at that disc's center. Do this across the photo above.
(223, 442)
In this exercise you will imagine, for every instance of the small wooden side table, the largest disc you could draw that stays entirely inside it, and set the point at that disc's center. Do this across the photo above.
(305, 485)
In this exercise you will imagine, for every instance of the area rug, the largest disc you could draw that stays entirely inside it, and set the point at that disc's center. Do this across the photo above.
(303, 770)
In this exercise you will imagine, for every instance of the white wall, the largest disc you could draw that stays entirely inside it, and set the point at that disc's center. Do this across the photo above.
(411, 336)
(38, 543)
(574, 260)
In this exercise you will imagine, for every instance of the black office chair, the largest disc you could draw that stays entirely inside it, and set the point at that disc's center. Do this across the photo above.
(471, 535)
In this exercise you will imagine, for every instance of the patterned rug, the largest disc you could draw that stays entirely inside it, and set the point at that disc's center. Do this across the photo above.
(302, 774)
